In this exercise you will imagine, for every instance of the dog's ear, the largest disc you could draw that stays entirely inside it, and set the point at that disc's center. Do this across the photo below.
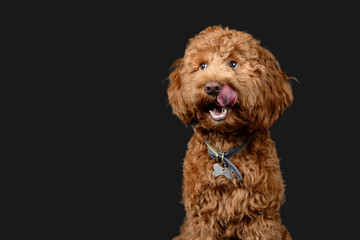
(276, 93)
(175, 96)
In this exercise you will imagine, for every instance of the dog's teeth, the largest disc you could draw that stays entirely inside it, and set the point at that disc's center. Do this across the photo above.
(219, 116)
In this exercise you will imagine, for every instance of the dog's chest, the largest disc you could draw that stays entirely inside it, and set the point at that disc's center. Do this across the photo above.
(207, 171)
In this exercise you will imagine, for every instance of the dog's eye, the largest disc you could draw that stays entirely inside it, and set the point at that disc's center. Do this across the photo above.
(203, 66)
(233, 64)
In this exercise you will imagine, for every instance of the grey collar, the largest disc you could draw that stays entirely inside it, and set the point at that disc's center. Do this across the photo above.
(223, 157)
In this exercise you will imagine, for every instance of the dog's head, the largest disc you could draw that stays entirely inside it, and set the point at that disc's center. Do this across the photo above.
(226, 81)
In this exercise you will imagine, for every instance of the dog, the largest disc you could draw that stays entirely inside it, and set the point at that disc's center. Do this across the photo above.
(230, 90)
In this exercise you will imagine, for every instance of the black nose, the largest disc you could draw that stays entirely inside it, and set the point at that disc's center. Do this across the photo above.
(212, 88)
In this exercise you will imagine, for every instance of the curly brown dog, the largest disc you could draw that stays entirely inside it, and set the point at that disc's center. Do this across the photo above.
(231, 90)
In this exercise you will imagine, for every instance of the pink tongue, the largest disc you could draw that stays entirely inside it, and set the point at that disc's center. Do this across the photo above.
(227, 96)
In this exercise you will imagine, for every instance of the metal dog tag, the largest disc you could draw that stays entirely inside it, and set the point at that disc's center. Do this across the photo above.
(218, 171)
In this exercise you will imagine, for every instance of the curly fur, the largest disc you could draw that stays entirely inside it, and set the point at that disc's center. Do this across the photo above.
(219, 208)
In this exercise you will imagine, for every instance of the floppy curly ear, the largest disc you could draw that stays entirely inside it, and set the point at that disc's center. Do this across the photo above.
(276, 93)
(174, 92)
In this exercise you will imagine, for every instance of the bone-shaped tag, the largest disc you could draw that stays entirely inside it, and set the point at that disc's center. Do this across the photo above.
(218, 170)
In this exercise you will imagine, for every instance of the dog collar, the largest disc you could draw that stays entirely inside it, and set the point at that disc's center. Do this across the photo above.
(223, 157)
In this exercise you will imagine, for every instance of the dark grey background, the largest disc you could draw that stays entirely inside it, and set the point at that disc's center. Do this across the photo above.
(132, 177)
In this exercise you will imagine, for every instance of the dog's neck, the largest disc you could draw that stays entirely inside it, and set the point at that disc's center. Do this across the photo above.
(223, 141)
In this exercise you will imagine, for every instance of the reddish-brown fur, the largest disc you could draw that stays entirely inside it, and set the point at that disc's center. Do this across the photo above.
(216, 207)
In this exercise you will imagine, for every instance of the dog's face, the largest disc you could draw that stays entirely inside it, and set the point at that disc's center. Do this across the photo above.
(226, 81)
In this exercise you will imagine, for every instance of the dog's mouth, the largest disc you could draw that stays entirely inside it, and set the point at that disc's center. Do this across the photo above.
(219, 113)
(223, 104)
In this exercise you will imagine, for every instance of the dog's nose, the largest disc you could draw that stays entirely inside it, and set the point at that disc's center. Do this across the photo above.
(212, 88)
